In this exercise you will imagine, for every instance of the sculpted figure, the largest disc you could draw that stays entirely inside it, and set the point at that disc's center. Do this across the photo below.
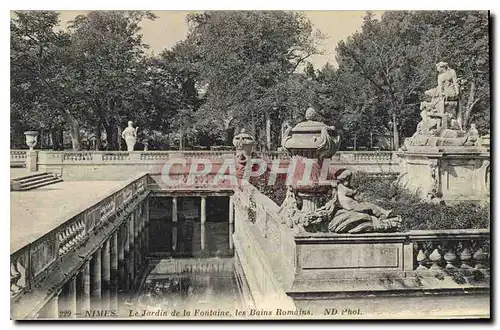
(444, 97)
(472, 135)
(290, 208)
(348, 215)
(285, 132)
(447, 83)
(347, 198)
(129, 134)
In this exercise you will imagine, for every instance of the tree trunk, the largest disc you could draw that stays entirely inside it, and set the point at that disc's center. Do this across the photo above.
(470, 105)
(98, 141)
(268, 131)
(55, 138)
(119, 137)
(181, 138)
(74, 131)
(395, 131)
(111, 137)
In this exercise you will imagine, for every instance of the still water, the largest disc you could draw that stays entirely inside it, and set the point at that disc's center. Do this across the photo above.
(191, 284)
(193, 265)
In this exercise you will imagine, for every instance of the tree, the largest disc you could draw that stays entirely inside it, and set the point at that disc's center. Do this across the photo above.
(395, 57)
(245, 59)
(110, 66)
(42, 78)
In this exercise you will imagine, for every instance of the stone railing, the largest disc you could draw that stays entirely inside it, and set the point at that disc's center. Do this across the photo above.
(459, 250)
(30, 260)
(434, 260)
(363, 157)
(95, 165)
(264, 245)
(119, 156)
(17, 158)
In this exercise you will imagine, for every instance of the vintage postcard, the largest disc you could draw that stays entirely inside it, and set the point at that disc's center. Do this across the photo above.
(249, 165)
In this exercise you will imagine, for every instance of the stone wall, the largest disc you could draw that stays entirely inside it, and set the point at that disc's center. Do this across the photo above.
(342, 271)
(119, 165)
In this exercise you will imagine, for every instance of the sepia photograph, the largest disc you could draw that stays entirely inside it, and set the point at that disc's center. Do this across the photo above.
(250, 165)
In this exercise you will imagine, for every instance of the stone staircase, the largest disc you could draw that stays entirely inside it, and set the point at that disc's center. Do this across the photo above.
(33, 181)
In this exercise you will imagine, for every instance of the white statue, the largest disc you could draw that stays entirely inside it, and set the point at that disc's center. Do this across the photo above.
(129, 134)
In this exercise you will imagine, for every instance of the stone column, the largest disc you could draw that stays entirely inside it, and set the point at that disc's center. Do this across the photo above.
(95, 280)
(114, 271)
(137, 250)
(131, 233)
(139, 238)
(51, 308)
(203, 219)
(122, 266)
(83, 290)
(126, 254)
(231, 222)
(67, 300)
(174, 223)
(143, 233)
(106, 275)
(146, 225)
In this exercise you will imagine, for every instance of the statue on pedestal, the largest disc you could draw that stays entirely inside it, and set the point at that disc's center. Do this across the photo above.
(441, 124)
(129, 134)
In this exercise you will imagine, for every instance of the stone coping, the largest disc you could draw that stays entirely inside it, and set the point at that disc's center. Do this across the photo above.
(394, 236)
(27, 233)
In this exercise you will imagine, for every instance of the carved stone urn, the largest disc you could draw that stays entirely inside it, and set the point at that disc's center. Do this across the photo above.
(244, 143)
(310, 144)
(31, 139)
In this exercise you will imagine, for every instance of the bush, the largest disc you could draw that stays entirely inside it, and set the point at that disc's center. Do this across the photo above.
(418, 214)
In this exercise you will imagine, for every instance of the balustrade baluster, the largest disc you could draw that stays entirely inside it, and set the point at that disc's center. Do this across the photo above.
(465, 256)
(479, 257)
(436, 258)
(450, 256)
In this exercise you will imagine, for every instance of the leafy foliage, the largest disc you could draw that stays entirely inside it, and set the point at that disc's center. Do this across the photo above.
(385, 67)
(418, 214)
(239, 69)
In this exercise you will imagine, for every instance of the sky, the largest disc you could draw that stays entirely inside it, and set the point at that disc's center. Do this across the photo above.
(171, 27)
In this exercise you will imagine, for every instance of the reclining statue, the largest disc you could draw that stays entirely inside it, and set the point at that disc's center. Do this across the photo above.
(343, 212)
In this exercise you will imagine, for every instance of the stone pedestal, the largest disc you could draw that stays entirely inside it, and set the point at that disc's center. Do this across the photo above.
(455, 173)
(31, 160)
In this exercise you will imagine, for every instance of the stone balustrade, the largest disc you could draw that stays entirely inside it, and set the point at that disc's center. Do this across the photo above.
(95, 165)
(18, 158)
(462, 251)
(431, 260)
(124, 156)
(264, 247)
(36, 267)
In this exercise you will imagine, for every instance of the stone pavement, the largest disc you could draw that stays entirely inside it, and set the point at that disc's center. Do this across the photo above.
(34, 213)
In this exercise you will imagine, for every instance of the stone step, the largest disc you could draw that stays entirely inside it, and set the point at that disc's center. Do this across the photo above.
(41, 184)
(37, 181)
(27, 180)
(29, 176)
(33, 181)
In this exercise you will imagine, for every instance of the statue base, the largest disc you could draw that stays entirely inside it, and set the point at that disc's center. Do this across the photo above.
(450, 173)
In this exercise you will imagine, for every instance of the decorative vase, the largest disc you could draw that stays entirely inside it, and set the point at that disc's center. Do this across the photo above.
(31, 139)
